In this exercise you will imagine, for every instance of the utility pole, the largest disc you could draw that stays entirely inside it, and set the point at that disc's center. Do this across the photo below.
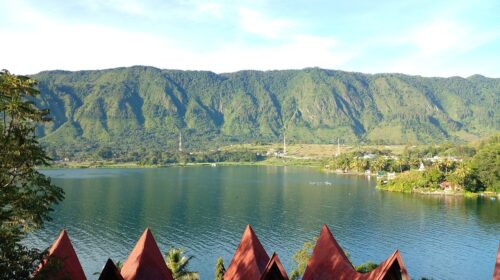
(338, 147)
(284, 143)
(180, 141)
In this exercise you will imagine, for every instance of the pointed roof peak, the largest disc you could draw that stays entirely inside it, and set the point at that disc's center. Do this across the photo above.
(326, 238)
(392, 267)
(110, 272)
(274, 269)
(62, 251)
(145, 261)
(249, 230)
(250, 233)
(250, 258)
(328, 258)
(147, 235)
(62, 238)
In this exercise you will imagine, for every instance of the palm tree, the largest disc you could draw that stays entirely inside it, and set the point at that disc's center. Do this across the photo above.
(178, 265)
(379, 164)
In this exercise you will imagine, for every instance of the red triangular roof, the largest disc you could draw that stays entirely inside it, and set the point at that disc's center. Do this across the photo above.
(392, 268)
(274, 270)
(62, 250)
(146, 261)
(110, 272)
(328, 261)
(496, 272)
(249, 260)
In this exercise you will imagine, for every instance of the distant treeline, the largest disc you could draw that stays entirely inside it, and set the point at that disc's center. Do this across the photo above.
(427, 169)
(167, 157)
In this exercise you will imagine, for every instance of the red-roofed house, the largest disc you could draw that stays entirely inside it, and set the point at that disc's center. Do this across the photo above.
(392, 268)
(64, 254)
(274, 270)
(110, 272)
(146, 261)
(328, 261)
(249, 260)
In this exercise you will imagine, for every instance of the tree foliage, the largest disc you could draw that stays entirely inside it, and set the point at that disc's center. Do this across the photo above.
(301, 258)
(178, 264)
(219, 269)
(486, 164)
(26, 195)
(366, 267)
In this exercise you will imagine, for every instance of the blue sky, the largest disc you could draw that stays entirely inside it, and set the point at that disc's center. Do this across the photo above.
(428, 38)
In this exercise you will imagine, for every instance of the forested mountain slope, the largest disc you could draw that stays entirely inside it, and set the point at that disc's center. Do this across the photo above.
(146, 107)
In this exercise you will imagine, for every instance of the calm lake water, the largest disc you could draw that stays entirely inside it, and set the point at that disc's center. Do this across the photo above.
(205, 210)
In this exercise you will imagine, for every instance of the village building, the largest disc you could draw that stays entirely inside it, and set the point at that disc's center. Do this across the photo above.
(250, 262)
(328, 261)
(145, 261)
(62, 257)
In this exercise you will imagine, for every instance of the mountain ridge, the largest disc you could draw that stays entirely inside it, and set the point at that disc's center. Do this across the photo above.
(263, 71)
(142, 106)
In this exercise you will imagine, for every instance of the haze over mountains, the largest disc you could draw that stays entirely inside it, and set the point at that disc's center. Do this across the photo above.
(146, 107)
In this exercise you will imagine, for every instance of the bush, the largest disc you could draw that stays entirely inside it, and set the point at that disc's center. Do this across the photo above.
(472, 182)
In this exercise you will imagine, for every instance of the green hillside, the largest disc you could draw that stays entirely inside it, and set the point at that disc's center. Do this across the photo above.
(144, 108)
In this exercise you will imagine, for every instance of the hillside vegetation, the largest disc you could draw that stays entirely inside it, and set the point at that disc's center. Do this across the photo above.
(143, 109)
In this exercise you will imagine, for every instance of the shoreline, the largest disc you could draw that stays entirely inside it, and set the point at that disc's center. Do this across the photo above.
(110, 164)
(421, 192)
(446, 193)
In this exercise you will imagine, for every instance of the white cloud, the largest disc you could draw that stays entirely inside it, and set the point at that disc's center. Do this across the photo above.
(302, 51)
(441, 36)
(255, 22)
(48, 44)
(80, 47)
(434, 48)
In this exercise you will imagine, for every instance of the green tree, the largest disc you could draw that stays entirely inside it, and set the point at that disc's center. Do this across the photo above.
(301, 258)
(434, 176)
(457, 177)
(26, 195)
(472, 182)
(178, 265)
(366, 267)
(105, 152)
(219, 269)
(379, 164)
(486, 164)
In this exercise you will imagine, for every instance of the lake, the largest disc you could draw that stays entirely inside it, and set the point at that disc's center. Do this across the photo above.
(205, 209)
